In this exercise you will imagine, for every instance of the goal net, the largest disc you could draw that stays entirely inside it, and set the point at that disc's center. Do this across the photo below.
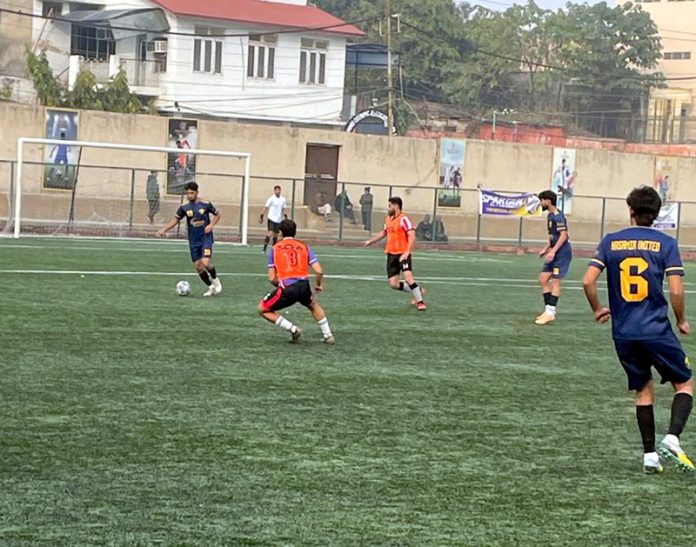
(64, 187)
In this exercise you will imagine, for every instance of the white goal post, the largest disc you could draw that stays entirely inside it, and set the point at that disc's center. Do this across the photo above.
(23, 141)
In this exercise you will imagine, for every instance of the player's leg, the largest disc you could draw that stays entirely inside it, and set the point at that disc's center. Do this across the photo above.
(276, 232)
(394, 273)
(212, 271)
(637, 366)
(645, 416)
(271, 304)
(673, 365)
(546, 288)
(413, 286)
(205, 277)
(319, 316)
(267, 240)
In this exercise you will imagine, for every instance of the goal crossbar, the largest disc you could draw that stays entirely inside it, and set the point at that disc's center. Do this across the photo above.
(246, 156)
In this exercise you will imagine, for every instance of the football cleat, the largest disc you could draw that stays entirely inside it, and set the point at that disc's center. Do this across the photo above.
(210, 291)
(421, 306)
(296, 334)
(545, 318)
(671, 450)
(651, 464)
(329, 339)
(217, 284)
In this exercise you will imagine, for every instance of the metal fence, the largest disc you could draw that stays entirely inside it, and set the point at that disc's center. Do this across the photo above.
(116, 201)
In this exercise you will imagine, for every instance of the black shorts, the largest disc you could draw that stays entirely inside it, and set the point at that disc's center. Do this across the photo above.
(395, 266)
(273, 226)
(666, 355)
(281, 298)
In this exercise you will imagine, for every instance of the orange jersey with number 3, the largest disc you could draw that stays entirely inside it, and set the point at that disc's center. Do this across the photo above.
(397, 229)
(291, 259)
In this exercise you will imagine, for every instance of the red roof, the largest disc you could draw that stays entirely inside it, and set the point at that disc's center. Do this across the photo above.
(261, 12)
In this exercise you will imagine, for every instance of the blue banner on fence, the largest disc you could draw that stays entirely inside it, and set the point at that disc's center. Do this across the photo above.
(518, 205)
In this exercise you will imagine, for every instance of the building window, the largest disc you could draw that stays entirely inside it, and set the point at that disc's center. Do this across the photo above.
(261, 56)
(677, 55)
(52, 9)
(207, 50)
(313, 61)
(93, 44)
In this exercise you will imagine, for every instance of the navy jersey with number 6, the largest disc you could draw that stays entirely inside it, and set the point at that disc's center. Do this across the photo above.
(637, 260)
(197, 217)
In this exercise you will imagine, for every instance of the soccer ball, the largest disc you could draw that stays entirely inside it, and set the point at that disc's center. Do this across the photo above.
(183, 288)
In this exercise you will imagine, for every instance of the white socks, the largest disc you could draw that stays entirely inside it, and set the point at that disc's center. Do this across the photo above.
(551, 310)
(325, 329)
(284, 323)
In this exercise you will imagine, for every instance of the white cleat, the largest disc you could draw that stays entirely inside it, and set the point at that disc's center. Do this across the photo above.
(329, 339)
(651, 463)
(210, 291)
(671, 450)
(217, 284)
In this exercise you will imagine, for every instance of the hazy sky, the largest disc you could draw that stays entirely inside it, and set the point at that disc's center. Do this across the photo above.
(547, 4)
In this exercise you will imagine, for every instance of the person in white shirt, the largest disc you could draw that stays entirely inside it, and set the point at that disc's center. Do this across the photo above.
(274, 212)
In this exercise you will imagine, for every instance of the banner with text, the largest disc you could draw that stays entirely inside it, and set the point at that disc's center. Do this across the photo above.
(518, 205)
(669, 217)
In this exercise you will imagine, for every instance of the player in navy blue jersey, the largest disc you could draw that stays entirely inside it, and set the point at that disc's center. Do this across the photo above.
(558, 254)
(201, 218)
(636, 260)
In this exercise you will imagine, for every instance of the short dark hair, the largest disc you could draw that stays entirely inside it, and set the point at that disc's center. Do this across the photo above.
(62, 134)
(550, 195)
(191, 186)
(277, 187)
(645, 203)
(288, 228)
(397, 201)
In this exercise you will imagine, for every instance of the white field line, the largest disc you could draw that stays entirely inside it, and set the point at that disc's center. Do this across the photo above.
(458, 281)
(181, 248)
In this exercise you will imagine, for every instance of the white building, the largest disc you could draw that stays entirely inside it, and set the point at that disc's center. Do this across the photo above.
(237, 59)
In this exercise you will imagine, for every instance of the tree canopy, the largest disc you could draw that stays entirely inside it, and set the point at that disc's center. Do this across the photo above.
(586, 64)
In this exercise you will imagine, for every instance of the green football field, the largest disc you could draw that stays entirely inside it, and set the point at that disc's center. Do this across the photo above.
(132, 416)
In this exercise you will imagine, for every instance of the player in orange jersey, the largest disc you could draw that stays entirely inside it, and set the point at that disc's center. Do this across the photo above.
(401, 240)
(288, 270)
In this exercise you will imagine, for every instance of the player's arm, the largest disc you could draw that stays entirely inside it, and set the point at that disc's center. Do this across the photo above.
(273, 276)
(379, 237)
(546, 248)
(216, 218)
(676, 297)
(318, 276)
(589, 284)
(411, 235)
(173, 222)
(264, 212)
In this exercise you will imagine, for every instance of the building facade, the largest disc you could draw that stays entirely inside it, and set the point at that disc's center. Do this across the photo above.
(246, 59)
(672, 110)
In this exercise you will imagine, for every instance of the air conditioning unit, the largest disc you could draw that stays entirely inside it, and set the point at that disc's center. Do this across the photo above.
(160, 46)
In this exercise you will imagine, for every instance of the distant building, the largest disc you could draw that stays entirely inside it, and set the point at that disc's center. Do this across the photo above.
(671, 112)
(231, 59)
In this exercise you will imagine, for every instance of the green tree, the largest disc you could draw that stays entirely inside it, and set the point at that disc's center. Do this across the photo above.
(85, 93)
(49, 90)
(117, 96)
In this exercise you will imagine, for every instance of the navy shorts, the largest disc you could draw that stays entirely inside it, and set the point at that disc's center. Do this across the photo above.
(201, 248)
(666, 355)
(559, 267)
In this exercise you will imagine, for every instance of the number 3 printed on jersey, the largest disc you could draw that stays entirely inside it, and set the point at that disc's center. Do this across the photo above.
(634, 287)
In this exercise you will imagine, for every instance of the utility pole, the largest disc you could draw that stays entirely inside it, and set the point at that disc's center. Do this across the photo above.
(390, 73)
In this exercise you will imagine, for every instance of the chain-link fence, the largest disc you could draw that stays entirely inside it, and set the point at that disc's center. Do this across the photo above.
(124, 201)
